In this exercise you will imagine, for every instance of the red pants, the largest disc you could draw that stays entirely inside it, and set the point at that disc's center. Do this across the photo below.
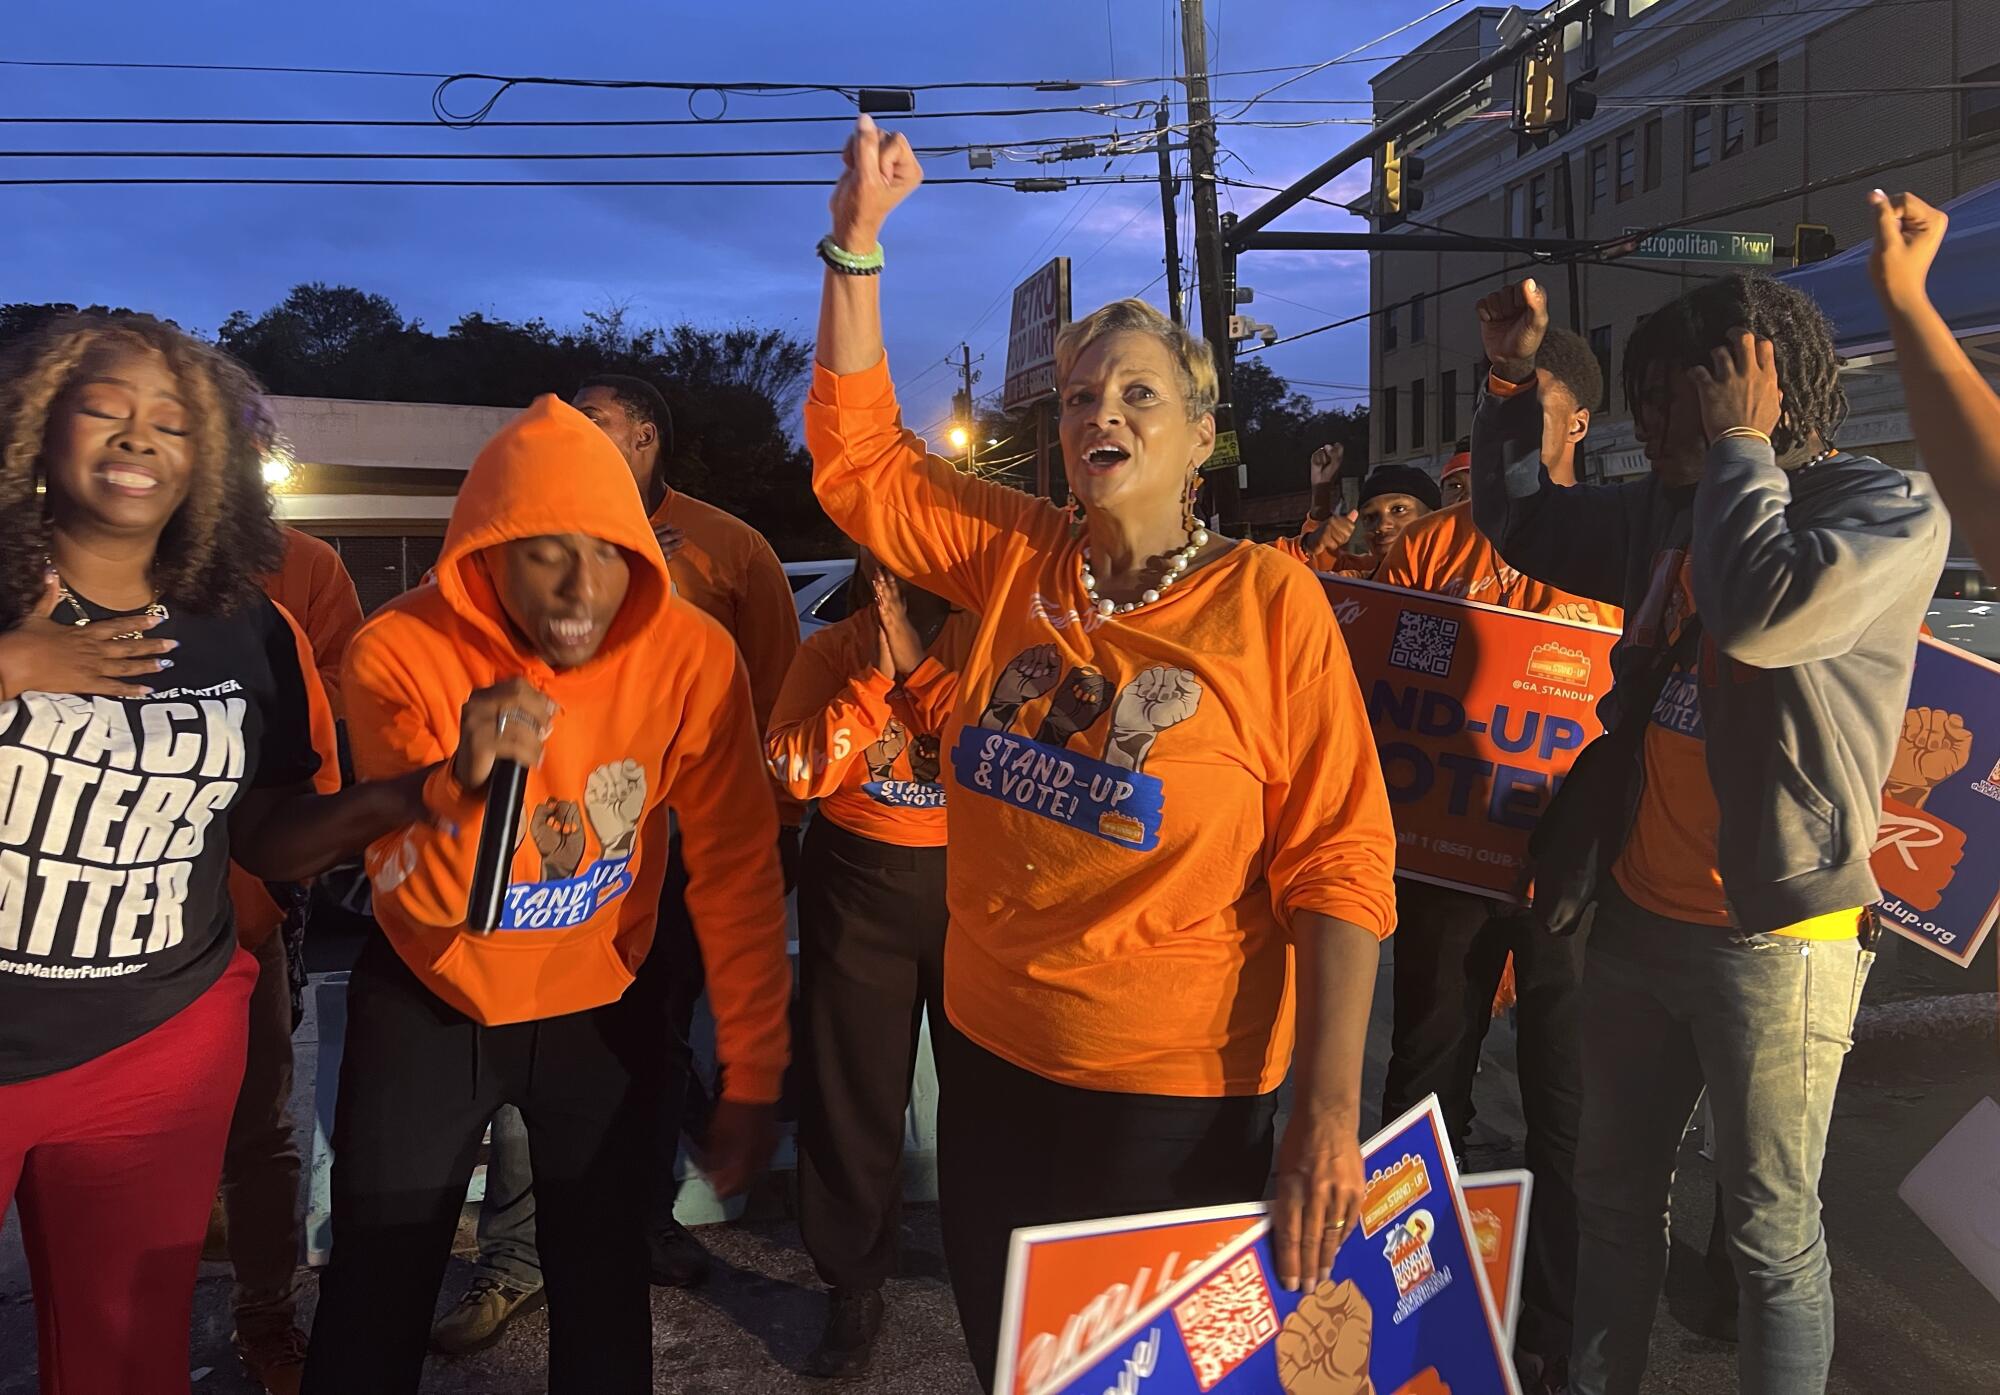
(116, 1162)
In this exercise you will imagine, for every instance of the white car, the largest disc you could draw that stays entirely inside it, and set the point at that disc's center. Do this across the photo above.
(819, 592)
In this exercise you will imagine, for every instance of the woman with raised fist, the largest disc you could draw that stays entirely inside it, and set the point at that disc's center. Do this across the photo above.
(1167, 821)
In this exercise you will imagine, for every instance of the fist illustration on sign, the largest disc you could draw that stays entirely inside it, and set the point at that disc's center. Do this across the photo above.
(1077, 706)
(881, 757)
(1324, 1345)
(1935, 746)
(557, 826)
(926, 761)
(615, 796)
(1032, 673)
(1157, 699)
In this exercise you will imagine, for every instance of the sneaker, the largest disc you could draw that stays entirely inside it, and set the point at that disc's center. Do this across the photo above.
(274, 1360)
(1542, 1375)
(215, 1244)
(677, 1258)
(480, 1317)
(853, 1321)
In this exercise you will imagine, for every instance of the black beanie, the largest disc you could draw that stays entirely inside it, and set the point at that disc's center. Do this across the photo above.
(1402, 479)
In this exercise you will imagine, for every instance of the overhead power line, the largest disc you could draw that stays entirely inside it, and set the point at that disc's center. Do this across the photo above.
(303, 181)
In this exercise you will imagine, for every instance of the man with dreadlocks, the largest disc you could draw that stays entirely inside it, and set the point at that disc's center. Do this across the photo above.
(1773, 586)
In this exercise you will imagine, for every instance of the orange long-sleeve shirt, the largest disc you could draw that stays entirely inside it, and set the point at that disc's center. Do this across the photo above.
(1323, 558)
(660, 716)
(869, 749)
(1445, 554)
(1139, 806)
(313, 587)
(727, 569)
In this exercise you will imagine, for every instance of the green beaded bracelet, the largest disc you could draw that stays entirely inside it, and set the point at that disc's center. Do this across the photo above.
(840, 259)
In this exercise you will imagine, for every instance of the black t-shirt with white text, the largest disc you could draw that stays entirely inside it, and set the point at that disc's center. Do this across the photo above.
(114, 834)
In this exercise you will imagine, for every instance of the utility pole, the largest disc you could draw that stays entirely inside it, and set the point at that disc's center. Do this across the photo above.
(962, 405)
(1218, 295)
(1169, 218)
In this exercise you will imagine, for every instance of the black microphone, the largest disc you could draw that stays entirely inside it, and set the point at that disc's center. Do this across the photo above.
(505, 789)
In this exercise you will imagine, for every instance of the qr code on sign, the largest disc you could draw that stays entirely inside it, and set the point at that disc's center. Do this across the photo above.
(1424, 643)
(1226, 1320)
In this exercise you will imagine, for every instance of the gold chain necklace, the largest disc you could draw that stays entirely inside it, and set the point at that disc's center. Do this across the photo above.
(154, 611)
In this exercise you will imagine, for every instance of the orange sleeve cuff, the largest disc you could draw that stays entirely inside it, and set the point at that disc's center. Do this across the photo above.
(871, 388)
(1365, 914)
(447, 799)
(1500, 387)
(749, 1082)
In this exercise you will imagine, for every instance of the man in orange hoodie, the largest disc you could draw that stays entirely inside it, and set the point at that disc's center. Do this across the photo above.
(1452, 947)
(550, 637)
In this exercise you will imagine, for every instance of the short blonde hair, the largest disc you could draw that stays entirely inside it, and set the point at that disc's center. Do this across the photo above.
(1194, 361)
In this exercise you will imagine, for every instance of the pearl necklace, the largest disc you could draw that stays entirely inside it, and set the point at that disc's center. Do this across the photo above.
(1176, 567)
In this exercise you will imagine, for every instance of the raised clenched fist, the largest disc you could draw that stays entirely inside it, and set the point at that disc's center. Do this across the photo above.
(1078, 704)
(1032, 673)
(1155, 700)
(1326, 463)
(557, 828)
(881, 757)
(1935, 746)
(880, 172)
(1323, 1347)
(1513, 321)
(614, 797)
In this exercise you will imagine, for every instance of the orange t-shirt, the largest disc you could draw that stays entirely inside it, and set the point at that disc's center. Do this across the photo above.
(1140, 806)
(314, 588)
(869, 749)
(1445, 554)
(1668, 865)
(727, 569)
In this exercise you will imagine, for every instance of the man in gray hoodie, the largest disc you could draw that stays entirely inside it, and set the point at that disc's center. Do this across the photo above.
(1730, 940)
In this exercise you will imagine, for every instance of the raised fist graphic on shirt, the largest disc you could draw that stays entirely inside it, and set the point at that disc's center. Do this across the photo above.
(614, 797)
(1032, 673)
(1935, 745)
(1080, 701)
(1155, 700)
(881, 757)
(926, 759)
(1323, 1347)
(557, 828)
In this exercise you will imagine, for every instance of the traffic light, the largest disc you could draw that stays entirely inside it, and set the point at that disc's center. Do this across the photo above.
(1401, 175)
(1812, 242)
(1543, 103)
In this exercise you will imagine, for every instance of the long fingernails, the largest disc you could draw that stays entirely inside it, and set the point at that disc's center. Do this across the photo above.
(166, 663)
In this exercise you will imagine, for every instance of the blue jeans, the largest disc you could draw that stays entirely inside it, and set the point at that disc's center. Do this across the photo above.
(507, 1216)
(1764, 1021)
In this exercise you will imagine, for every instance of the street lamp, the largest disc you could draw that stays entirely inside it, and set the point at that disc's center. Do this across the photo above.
(959, 437)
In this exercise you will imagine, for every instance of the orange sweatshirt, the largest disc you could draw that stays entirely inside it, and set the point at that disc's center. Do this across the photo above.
(257, 915)
(867, 748)
(1138, 807)
(1324, 558)
(727, 569)
(659, 716)
(1444, 554)
(314, 588)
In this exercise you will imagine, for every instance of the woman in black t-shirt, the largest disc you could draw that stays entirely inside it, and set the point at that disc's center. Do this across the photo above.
(154, 722)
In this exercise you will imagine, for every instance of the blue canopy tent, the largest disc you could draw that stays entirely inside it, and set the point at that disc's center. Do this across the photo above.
(1964, 284)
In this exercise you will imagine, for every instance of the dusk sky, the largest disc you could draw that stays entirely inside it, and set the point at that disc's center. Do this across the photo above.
(713, 256)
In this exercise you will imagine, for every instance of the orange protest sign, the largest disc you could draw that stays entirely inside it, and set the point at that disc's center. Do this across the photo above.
(1478, 712)
(1497, 1203)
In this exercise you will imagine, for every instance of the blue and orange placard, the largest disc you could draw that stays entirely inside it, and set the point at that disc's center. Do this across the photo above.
(1187, 1302)
(1498, 1203)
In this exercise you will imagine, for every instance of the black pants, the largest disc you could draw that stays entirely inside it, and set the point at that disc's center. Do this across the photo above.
(418, 1082)
(669, 984)
(871, 960)
(1015, 1149)
(1451, 949)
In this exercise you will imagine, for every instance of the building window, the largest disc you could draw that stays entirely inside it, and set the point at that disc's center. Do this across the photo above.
(1655, 134)
(1701, 137)
(1419, 408)
(1538, 204)
(1600, 177)
(1600, 348)
(1979, 108)
(1767, 111)
(1388, 421)
(1735, 119)
(1448, 405)
(1389, 327)
(1417, 320)
(1628, 165)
